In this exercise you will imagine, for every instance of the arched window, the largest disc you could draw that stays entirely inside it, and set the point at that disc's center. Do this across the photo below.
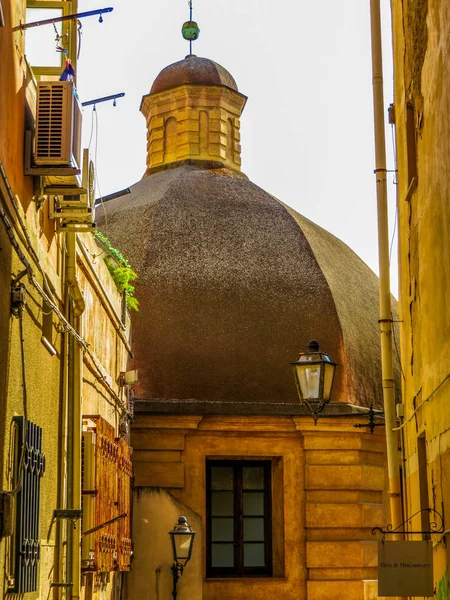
(170, 137)
(230, 139)
(204, 132)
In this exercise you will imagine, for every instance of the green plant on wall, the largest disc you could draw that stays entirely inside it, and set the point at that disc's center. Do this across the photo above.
(120, 270)
(442, 588)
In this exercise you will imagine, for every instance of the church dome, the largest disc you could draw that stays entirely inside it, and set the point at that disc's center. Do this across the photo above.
(232, 285)
(193, 70)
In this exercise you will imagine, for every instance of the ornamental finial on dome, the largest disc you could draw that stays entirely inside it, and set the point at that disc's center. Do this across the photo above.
(190, 29)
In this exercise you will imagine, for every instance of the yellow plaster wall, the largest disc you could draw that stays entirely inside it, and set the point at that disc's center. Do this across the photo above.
(104, 331)
(155, 513)
(31, 379)
(327, 494)
(421, 34)
(30, 376)
(108, 337)
(35, 388)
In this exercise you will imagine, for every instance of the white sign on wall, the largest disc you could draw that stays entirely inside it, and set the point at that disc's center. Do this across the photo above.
(405, 568)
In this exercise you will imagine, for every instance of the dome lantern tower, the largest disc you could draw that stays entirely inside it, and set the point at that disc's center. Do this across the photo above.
(193, 113)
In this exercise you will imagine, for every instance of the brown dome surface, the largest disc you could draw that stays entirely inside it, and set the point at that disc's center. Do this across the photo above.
(193, 70)
(232, 285)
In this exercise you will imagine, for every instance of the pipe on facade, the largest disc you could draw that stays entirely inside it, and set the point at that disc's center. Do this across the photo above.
(76, 473)
(62, 491)
(71, 274)
(74, 416)
(383, 250)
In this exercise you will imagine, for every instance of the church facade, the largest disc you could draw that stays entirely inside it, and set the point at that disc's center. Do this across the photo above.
(232, 285)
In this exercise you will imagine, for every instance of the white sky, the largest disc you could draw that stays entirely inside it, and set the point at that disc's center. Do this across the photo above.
(307, 129)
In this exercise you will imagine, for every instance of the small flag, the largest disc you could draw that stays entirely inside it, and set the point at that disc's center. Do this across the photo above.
(68, 72)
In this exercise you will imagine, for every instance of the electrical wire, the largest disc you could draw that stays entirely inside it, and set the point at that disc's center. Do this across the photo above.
(394, 231)
(394, 154)
(18, 487)
(427, 399)
(79, 32)
(396, 348)
(94, 119)
(97, 178)
(395, 183)
(92, 127)
(94, 256)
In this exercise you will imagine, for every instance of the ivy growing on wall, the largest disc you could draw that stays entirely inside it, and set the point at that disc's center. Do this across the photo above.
(120, 270)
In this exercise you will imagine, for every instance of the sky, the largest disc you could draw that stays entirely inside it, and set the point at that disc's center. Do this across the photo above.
(307, 128)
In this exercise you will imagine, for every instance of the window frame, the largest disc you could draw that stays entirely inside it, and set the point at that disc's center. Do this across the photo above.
(66, 29)
(239, 570)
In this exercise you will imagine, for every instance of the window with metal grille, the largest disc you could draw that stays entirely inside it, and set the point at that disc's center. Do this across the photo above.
(239, 523)
(29, 467)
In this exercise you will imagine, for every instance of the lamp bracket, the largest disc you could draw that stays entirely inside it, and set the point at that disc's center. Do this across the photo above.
(89, 13)
(103, 99)
(371, 424)
(434, 527)
(177, 571)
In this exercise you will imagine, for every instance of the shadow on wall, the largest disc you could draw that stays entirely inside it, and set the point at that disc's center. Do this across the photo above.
(155, 512)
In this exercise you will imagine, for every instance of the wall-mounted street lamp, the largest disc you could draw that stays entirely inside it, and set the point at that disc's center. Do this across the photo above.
(182, 540)
(314, 376)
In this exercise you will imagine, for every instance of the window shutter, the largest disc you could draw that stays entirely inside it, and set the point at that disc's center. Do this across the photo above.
(106, 496)
(125, 473)
(29, 468)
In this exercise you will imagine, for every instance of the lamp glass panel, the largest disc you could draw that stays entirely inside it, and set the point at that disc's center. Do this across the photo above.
(183, 545)
(328, 380)
(40, 44)
(313, 381)
(309, 380)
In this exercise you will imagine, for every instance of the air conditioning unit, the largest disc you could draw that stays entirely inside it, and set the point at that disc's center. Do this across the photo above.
(58, 125)
(84, 197)
(74, 207)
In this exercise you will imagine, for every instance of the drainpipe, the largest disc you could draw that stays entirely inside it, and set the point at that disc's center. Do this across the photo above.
(74, 418)
(61, 526)
(383, 250)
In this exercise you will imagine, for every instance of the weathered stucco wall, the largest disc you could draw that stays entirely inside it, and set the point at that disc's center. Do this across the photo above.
(155, 512)
(421, 33)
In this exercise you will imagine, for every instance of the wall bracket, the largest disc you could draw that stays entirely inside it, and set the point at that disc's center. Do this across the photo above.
(434, 526)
